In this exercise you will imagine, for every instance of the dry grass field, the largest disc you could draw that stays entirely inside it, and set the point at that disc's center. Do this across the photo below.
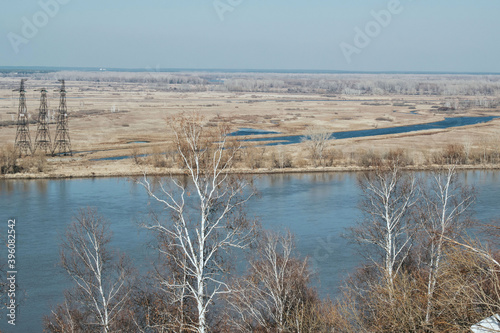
(108, 116)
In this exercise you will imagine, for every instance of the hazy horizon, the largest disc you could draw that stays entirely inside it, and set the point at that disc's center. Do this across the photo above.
(236, 70)
(417, 36)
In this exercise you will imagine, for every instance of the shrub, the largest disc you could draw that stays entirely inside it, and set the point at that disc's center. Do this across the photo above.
(9, 160)
(368, 158)
(400, 155)
(136, 155)
(384, 119)
(332, 155)
(40, 161)
(454, 154)
(161, 158)
(34, 163)
(253, 157)
(281, 160)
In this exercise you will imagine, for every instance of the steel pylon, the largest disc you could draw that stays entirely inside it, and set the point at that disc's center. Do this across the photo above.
(42, 139)
(23, 139)
(62, 142)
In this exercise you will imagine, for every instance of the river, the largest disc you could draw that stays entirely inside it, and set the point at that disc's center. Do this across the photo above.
(295, 139)
(315, 207)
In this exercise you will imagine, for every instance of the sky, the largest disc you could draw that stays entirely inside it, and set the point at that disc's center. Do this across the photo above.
(359, 35)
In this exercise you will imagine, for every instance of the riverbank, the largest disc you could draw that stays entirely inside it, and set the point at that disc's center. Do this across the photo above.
(107, 171)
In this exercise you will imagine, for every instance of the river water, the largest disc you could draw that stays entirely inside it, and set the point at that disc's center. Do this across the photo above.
(294, 139)
(446, 123)
(315, 207)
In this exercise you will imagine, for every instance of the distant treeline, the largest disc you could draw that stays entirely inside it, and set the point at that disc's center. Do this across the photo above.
(335, 84)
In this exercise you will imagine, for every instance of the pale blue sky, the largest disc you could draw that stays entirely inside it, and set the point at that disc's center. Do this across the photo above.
(438, 35)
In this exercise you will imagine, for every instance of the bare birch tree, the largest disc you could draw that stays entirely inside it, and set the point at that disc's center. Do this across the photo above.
(65, 318)
(163, 303)
(207, 218)
(445, 215)
(316, 140)
(468, 145)
(157, 309)
(263, 297)
(274, 295)
(388, 196)
(101, 277)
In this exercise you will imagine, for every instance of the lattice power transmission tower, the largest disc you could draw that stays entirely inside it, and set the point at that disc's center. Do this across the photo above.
(23, 139)
(62, 143)
(42, 139)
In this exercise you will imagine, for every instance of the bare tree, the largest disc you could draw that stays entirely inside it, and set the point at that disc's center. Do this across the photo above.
(446, 204)
(468, 144)
(388, 196)
(101, 276)
(263, 297)
(317, 140)
(281, 159)
(9, 159)
(65, 318)
(274, 295)
(207, 216)
(156, 309)
(470, 285)
(484, 144)
(163, 303)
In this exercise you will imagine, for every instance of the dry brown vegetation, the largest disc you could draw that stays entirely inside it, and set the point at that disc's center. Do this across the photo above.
(123, 114)
(11, 163)
(466, 293)
(424, 274)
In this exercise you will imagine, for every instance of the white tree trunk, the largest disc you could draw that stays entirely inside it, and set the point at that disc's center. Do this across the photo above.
(202, 232)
